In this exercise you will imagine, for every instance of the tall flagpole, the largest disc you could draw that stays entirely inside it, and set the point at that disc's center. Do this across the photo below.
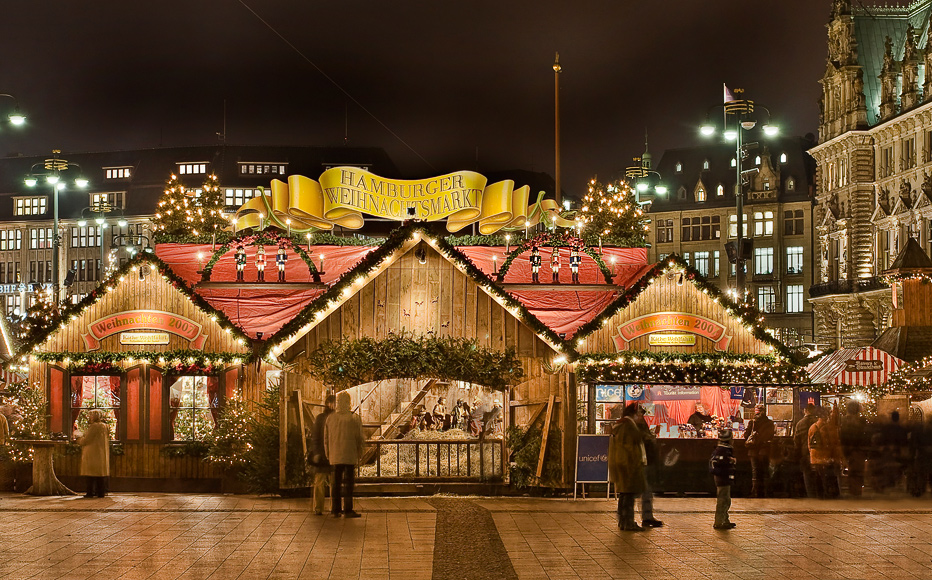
(556, 112)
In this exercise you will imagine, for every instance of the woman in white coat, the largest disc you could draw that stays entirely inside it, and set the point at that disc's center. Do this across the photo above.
(95, 455)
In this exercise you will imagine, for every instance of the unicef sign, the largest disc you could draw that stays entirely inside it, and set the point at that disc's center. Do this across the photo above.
(618, 393)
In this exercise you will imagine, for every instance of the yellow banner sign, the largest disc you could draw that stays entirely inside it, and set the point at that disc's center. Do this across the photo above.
(343, 194)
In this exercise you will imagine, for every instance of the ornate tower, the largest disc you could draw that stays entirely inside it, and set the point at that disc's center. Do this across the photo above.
(842, 103)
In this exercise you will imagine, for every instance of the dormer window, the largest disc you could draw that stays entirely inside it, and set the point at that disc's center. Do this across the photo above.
(681, 192)
(720, 190)
(700, 193)
(679, 167)
(264, 168)
(791, 184)
(757, 160)
(766, 186)
(705, 164)
(118, 172)
(192, 168)
(783, 158)
(733, 162)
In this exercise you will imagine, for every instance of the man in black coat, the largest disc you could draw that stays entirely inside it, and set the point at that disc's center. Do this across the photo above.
(323, 471)
(759, 437)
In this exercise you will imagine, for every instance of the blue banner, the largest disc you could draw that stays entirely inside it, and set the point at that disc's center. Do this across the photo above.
(592, 458)
(737, 393)
(609, 393)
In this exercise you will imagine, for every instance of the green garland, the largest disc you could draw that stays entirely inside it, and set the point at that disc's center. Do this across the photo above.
(72, 311)
(554, 240)
(178, 361)
(264, 238)
(746, 313)
(346, 363)
(373, 260)
(700, 368)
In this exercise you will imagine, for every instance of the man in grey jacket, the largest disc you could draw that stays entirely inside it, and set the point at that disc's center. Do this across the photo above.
(344, 442)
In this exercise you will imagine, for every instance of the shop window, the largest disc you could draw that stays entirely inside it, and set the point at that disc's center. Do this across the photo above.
(194, 405)
(95, 392)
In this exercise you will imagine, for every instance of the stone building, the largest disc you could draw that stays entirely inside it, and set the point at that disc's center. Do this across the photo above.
(874, 163)
(697, 217)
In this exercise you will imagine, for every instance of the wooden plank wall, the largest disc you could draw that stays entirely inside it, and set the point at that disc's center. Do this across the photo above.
(666, 295)
(140, 460)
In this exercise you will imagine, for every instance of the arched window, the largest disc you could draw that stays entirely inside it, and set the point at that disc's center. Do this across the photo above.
(757, 160)
(733, 162)
(720, 190)
(705, 164)
(700, 193)
(783, 158)
(679, 167)
(791, 184)
(681, 192)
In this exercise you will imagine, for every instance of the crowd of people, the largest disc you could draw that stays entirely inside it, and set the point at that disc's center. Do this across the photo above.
(477, 420)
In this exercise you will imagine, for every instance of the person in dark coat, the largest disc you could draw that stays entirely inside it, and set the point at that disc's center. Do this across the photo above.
(855, 441)
(95, 455)
(652, 451)
(698, 420)
(626, 459)
(345, 443)
(759, 437)
(722, 468)
(323, 471)
(801, 446)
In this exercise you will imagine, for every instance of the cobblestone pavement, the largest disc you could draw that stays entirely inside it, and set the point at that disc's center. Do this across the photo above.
(166, 536)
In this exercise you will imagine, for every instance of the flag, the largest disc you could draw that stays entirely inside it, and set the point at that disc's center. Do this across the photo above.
(728, 96)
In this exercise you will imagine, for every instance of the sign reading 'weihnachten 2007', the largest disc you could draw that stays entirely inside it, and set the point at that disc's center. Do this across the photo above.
(342, 195)
(143, 320)
(678, 322)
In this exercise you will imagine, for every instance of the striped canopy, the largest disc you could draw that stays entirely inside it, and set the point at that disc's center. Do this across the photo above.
(854, 366)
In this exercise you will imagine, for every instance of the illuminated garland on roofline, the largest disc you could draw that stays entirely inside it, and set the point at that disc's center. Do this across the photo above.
(376, 261)
(699, 368)
(178, 361)
(747, 314)
(32, 344)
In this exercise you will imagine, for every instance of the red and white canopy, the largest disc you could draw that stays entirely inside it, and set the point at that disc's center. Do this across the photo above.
(861, 367)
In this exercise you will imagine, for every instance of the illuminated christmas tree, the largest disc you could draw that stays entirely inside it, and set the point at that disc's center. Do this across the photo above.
(229, 440)
(30, 415)
(611, 212)
(210, 207)
(40, 317)
(175, 214)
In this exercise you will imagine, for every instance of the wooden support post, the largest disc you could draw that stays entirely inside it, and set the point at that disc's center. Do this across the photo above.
(543, 438)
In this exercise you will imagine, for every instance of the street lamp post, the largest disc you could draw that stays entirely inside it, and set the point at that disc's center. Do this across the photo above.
(100, 212)
(745, 119)
(53, 169)
(639, 176)
(16, 117)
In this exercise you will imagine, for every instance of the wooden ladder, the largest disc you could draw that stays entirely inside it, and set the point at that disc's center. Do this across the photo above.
(391, 426)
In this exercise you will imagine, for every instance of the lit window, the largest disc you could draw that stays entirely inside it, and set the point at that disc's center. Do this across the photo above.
(30, 205)
(757, 160)
(733, 226)
(701, 263)
(783, 158)
(763, 223)
(95, 392)
(194, 402)
(766, 299)
(794, 298)
(794, 260)
(700, 193)
(237, 197)
(763, 261)
(679, 167)
(262, 168)
(720, 190)
(705, 164)
(733, 162)
(192, 168)
(791, 184)
(118, 172)
(110, 200)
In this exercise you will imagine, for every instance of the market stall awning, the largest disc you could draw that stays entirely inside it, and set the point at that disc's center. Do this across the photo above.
(861, 367)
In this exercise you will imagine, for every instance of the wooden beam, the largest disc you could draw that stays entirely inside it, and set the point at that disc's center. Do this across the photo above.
(260, 286)
(528, 404)
(543, 437)
(562, 288)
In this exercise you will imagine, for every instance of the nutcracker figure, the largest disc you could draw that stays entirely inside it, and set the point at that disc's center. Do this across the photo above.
(574, 265)
(240, 262)
(555, 265)
(280, 259)
(535, 264)
(260, 263)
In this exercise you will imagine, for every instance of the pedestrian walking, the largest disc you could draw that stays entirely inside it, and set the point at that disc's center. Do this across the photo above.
(323, 471)
(626, 459)
(722, 467)
(825, 454)
(652, 452)
(801, 446)
(760, 434)
(95, 455)
(344, 442)
(855, 442)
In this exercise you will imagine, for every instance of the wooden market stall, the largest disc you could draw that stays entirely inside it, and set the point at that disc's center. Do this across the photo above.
(675, 342)
(156, 360)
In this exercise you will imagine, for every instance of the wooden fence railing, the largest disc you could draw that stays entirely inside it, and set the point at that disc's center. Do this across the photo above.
(456, 458)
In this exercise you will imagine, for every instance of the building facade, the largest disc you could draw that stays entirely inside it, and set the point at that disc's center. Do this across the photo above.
(109, 219)
(697, 217)
(874, 163)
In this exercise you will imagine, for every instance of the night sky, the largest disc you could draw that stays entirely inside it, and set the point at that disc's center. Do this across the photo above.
(448, 78)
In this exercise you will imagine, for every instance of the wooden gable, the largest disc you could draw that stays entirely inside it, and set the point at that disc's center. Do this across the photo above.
(142, 308)
(423, 293)
(679, 316)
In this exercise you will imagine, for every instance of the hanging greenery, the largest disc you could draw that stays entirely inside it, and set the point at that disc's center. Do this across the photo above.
(181, 361)
(563, 239)
(345, 363)
(704, 368)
